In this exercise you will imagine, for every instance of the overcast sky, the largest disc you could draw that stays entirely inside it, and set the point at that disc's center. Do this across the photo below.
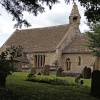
(57, 16)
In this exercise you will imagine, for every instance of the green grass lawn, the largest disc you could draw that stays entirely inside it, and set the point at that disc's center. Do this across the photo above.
(19, 89)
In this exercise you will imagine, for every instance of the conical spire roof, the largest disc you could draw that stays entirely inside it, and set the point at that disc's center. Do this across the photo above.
(75, 11)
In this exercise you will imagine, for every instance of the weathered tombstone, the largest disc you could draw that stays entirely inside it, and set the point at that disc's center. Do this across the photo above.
(95, 84)
(77, 79)
(53, 69)
(33, 70)
(59, 71)
(87, 73)
(46, 70)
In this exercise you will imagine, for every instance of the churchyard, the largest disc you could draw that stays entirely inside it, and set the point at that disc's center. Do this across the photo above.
(17, 88)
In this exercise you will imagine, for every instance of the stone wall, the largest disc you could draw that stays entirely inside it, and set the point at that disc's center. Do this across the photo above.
(69, 36)
(49, 58)
(86, 60)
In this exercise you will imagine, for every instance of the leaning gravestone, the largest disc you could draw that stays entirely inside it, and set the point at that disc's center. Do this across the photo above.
(77, 79)
(59, 71)
(95, 84)
(46, 70)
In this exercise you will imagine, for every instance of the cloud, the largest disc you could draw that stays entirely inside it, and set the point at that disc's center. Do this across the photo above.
(1, 43)
(6, 24)
(58, 15)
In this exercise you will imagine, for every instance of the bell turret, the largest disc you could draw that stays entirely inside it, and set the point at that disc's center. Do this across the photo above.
(74, 18)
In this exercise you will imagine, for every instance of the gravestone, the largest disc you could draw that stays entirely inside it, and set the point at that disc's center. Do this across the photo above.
(87, 73)
(95, 84)
(53, 69)
(46, 70)
(59, 71)
(33, 70)
(77, 79)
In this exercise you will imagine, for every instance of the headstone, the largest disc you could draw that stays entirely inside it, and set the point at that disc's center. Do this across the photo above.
(46, 70)
(87, 73)
(53, 69)
(77, 79)
(33, 70)
(59, 71)
(95, 84)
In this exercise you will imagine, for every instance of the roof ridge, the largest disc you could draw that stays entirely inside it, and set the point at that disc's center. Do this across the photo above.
(42, 27)
(38, 39)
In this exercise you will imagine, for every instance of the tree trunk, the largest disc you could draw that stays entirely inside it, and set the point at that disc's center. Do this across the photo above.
(2, 81)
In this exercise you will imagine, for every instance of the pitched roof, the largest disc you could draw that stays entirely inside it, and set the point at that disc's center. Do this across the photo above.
(78, 45)
(38, 39)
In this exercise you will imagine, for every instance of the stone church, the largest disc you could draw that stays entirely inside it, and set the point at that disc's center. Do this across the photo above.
(62, 45)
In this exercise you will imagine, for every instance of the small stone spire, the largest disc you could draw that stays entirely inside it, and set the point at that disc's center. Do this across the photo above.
(74, 17)
(75, 11)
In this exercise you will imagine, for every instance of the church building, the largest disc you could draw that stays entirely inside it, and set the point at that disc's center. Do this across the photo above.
(63, 45)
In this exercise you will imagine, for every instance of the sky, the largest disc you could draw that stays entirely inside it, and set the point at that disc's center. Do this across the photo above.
(58, 15)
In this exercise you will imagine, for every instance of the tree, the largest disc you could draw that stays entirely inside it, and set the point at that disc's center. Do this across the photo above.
(6, 62)
(94, 42)
(17, 7)
(92, 12)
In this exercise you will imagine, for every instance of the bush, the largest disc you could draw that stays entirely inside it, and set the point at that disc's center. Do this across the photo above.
(49, 81)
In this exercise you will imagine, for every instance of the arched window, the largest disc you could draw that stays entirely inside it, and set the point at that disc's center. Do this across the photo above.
(68, 64)
(79, 61)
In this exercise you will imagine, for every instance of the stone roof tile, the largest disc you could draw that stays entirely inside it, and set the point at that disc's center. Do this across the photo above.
(78, 45)
(38, 39)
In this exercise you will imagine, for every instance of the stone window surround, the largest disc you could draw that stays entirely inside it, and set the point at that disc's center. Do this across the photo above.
(39, 61)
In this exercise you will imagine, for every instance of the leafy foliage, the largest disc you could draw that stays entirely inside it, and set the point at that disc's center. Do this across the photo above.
(49, 81)
(94, 38)
(4, 65)
(17, 7)
(6, 60)
(19, 89)
(92, 12)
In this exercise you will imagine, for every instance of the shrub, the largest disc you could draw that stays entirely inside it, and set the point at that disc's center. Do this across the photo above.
(55, 81)
(6, 62)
